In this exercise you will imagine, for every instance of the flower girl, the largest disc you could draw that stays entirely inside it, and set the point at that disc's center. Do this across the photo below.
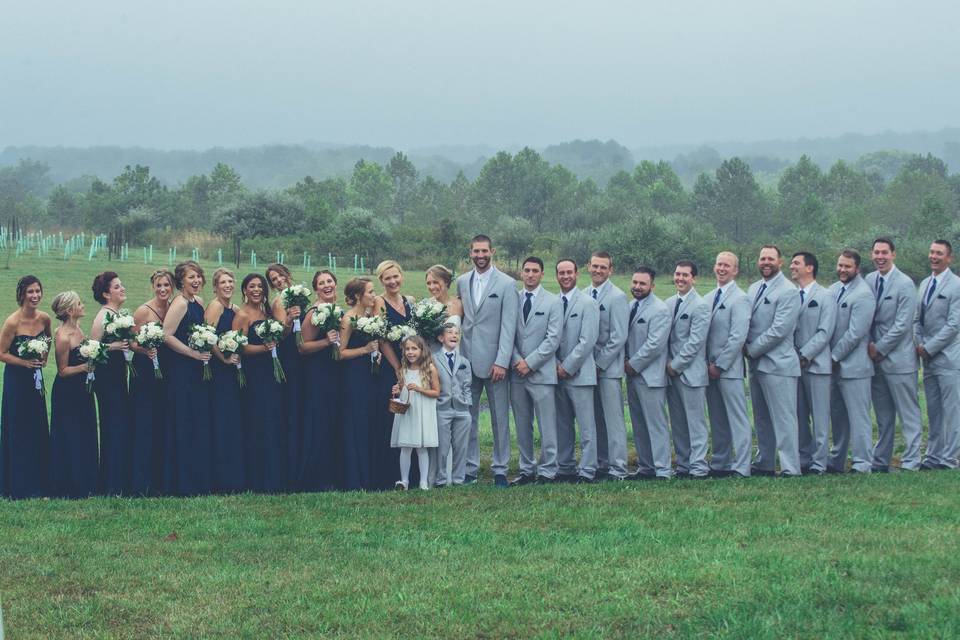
(417, 427)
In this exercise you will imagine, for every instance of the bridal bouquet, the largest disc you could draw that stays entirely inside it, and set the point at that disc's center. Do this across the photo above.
(398, 332)
(117, 327)
(150, 336)
(326, 317)
(94, 353)
(427, 317)
(35, 349)
(297, 295)
(229, 344)
(375, 327)
(272, 331)
(203, 338)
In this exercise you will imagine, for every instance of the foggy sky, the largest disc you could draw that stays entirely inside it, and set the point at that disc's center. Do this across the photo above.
(410, 74)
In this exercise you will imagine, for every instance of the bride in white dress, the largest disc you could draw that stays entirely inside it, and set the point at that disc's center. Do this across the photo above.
(439, 279)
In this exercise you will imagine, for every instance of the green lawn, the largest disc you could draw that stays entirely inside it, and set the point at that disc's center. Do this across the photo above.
(811, 557)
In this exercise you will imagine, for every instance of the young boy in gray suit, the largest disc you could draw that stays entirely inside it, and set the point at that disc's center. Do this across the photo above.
(453, 407)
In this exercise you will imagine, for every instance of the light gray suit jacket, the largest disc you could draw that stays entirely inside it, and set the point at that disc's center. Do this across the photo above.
(939, 333)
(892, 331)
(729, 322)
(818, 318)
(848, 347)
(536, 339)
(488, 330)
(455, 388)
(578, 339)
(688, 338)
(647, 341)
(773, 318)
(612, 338)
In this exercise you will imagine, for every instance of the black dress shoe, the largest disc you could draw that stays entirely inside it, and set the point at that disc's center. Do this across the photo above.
(569, 478)
(767, 473)
(546, 480)
(583, 480)
(602, 475)
(858, 472)
(642, 476)
(682, 475)
(720, 473)
(469, 479)
(804, 469)
(523, 479)
(880, 469)
(834, 472)
(500, 480)
(698, 476)
(786, 474)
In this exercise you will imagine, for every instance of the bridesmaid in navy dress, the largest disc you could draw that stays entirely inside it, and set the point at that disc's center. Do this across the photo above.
(188, 455)
(113, 399)
(357, 410)
(148, 395)
(228, 476)
(386, 459)
(24, 435)
(264, 426)
(74, 458)
(280, 278)
(322, 440)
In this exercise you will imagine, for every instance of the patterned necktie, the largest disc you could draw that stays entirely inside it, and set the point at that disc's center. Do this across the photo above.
(716, 298)
(527, 304)
(450, 357)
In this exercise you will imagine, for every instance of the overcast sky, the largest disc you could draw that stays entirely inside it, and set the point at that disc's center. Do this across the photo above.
(198, 73)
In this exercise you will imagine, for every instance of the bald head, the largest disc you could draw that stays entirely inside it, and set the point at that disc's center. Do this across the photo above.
(726, 267)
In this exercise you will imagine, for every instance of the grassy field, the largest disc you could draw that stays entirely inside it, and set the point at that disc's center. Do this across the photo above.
(811, 557)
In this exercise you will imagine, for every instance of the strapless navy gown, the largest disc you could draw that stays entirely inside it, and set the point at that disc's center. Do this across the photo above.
(74, 458)
(24, 433)
(148, 405)
(264, 424)
(357, 411)
(321, 443)
(228, 475)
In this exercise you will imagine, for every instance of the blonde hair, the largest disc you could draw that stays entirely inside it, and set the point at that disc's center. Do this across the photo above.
(162, 273)
(222, 271)
(386, 265)
(424, 363)
(63, 303)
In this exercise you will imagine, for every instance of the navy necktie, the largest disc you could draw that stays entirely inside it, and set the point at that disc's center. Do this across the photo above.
(843, 290)
(879, 289)
(763, 287)
(527, 304)
(716, 298)
(450, 357)
(633, 311)
(676, 307)
(564, 304)
(927, 299)
(594, 294)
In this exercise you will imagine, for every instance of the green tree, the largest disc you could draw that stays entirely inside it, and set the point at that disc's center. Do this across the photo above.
(371, 188)
(733, 202)
(515, 236)
(404, 177)
(360, 232)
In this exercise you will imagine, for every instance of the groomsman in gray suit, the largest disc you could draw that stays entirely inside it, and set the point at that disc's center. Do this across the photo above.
(895, 362)
(818, 316)
(936, 326)
(687, 368)
(726, 398)
(489, 322)
(577, 375)
(608, 354)
(852, 368)
(453, 408)
(774, 367)
(646, 369)
(533, 380)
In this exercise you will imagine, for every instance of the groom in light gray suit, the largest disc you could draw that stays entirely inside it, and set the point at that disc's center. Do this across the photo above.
(937, 330)
(895, 362)
(577, 375)
(533, 380)
(646, 369)
(489, 322)
(852, 368)
(818, 317)
(608, 354)
(726, 398)
(687, 368)
(774, 367)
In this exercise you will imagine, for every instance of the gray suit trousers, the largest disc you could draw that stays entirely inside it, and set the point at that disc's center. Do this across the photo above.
(852, 427)
(651, 433)
(688, 424)
(531, 400)
(498, 395)
(576, 403)
(893, 394)
(611, 428)
(943, 413)
(453, 431)
(813, 417)
(729, 426)
(775, 414)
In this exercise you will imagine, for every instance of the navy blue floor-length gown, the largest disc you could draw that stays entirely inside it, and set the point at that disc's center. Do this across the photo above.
(116, 425)
(321, 443)
(148, 397)
(24, 433)
(293, 404)
(228, 473)
(74, 457)
(357, 417)
(264, 423)
(188, 454)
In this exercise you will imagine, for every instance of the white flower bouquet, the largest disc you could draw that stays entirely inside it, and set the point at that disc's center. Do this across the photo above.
(427, 317)
(203, 338)
(35, 349)
(120, 326)
(272, 331)
(375, 328)
(297, 295)
(230, 343)
(398, 332)
(327, 317)
(150, 336)
(94, 353)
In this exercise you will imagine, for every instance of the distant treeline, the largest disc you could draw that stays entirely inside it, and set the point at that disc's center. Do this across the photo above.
(528, 204)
